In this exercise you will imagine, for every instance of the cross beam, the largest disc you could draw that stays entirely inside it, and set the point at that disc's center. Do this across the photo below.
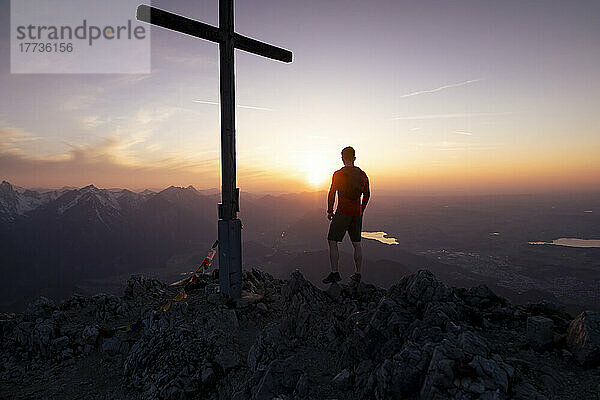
(230, 244)
(178, 23)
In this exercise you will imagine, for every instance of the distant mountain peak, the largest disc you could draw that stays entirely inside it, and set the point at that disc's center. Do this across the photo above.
(90, 187)
(179, 189)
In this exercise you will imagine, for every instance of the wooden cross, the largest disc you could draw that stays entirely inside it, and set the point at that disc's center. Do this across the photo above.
(230, 243)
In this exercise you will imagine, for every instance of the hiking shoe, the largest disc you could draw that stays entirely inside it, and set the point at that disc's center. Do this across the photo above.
(356, 277)
(332, 278)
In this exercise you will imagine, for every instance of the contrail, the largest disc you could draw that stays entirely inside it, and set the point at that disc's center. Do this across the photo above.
(453, 85)
(464, 133)
(238, 105)
(444, 116)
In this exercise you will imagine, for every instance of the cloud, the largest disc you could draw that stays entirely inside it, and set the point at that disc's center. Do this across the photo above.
(127, 79)
(12, 139)
(452, 85)
(100, 163)
(447, 116)
(452, 147)
(91, 121)
(464, 133)
(80, 101)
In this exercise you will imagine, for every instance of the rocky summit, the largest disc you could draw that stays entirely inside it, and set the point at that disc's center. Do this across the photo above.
(288, 339)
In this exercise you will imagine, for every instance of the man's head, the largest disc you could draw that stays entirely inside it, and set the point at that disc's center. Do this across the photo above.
(348, 156)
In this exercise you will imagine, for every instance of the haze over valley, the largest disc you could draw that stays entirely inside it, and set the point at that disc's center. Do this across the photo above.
(56, 242)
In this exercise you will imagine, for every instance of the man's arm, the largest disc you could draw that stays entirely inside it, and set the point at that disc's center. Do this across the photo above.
(331, 196)
(366, 194)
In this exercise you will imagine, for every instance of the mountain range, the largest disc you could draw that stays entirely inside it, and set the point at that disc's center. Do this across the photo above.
(50, 239)
(57, 242)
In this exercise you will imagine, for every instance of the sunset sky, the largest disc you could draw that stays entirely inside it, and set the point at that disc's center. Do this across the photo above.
(436, 96)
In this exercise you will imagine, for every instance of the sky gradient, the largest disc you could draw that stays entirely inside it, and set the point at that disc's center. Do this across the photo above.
(436, 96)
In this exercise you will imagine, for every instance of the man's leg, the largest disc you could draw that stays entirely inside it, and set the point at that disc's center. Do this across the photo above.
(334, 256)
(357, 257)
(354, 232)
(337, 230)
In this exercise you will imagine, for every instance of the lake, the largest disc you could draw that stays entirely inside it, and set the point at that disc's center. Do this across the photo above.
(571, 242)
(380, 237)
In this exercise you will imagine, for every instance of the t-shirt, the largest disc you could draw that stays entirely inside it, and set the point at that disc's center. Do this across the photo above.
(339, 183)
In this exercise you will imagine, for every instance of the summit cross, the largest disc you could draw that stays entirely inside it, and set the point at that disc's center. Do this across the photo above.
(229, 225)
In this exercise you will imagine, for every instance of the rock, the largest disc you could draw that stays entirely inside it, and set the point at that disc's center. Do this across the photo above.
(549, 309)
(67, 353)
(421, 286)
(90, 335)
(44, 332)
(342, 379)
(400, 375)
(230, 319)
(212, 293)
(124, 348)
(303, 386)
(420, 339)
(440, 373)
(390, 318)
(475, 387)
(583, 338)
(40, 307)
(493, 374)
(208, 375)
(7, 326)
(61, 342)
(23, 334)
(334, 291)
(473, 344)
(227, 359)
(138, 287)
(112, 346)
(280, 378)
(294, 284)
(248, 299)
(262, 307)
(539, 332)
(265, 348)
(526, 391)
(481, 293)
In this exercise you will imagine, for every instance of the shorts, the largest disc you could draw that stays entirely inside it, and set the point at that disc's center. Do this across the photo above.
(342, 223)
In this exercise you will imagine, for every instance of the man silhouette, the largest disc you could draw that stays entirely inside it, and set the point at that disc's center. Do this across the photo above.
(350, 183)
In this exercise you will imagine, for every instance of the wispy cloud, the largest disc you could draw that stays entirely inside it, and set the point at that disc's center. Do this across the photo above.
(446, 116)
(452, 85)
(12, 140)
(457, 147)
(214, 103)
(91, 121)
(464, 133)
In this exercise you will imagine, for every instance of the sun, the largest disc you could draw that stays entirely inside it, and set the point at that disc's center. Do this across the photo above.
(317, 173)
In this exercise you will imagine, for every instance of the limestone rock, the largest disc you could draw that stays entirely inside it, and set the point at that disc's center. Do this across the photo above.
(342, 379)
(539, 332)
(583, 338)
(281, 378)
(421, 286)
(334, 291)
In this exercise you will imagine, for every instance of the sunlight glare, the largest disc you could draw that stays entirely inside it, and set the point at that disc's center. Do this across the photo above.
(317, 172)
